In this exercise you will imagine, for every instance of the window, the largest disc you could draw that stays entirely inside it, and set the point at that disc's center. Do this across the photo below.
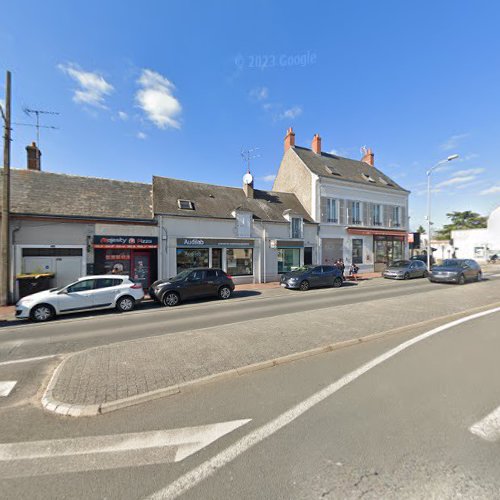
(81, 286)
(185, 204)
(107, 282)
(332, 171)
(212, 274)
(356, 212)
(296, 227)
(239, 261)
(244, 224)
(377, 214)
(196, 276)
(396, 216)
(288, 259)
(332, 214)
(366, 177)
(191, 257)
(357, 251)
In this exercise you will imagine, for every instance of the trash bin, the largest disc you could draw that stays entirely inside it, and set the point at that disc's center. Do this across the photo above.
(33, 283)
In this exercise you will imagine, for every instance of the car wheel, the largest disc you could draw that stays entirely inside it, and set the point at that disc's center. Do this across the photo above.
(479, 276)
(171, 299)
(42, 312)
(337, 282)
(125, 304)
(406, 276)
(304, 286)
(461, 279)
(224, 292)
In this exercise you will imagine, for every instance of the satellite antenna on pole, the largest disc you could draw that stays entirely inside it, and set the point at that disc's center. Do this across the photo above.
(248, 155)
(37, 113)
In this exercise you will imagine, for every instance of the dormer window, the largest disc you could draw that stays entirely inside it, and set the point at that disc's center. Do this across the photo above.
(243, 223)
(296, 225)
(332, 171)
(185, 204)
(368, 178)
(382, 181)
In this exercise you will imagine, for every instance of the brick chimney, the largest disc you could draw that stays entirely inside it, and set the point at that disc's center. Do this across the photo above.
(316, 144)
(368, 156)
(34, 157)
(289, 139)
(248, 185)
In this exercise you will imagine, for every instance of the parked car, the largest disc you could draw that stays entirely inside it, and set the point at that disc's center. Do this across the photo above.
(456, 271)
(406, 269)
(311, 276)
(423, 258)
(88, 293)
(192, 284)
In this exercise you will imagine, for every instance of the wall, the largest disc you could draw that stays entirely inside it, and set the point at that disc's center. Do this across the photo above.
(466, 240)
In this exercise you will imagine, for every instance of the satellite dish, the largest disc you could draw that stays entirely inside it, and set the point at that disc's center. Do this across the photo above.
(247, 178)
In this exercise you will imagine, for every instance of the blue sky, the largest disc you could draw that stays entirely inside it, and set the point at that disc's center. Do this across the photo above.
(180, 88)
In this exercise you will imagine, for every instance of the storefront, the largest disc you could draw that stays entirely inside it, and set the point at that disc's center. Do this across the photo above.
(235, 256)
(135, 256)
(289, 255)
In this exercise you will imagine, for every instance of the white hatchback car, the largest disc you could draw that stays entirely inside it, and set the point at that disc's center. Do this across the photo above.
(88, 293)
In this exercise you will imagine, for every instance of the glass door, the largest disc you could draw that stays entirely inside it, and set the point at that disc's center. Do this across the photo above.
(141, 270)
(217, 257)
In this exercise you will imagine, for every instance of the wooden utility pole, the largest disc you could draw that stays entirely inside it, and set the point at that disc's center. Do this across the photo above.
(5, 229)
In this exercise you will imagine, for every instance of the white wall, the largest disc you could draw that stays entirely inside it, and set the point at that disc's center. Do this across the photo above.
(465, 241)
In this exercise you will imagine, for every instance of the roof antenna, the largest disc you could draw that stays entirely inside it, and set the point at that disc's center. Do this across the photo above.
(37, 113)
(248, 155)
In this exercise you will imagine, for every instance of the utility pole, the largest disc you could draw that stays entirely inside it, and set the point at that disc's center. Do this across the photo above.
(5, 228)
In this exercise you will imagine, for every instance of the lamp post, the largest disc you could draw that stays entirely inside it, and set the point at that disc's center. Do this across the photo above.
(429, 172)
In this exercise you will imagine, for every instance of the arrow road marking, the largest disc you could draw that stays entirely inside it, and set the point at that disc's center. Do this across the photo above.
(489, 427)
(192, 478)
(6, 387)
(35, 458)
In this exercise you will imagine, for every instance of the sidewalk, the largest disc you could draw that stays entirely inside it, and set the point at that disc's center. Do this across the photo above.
(110, 377)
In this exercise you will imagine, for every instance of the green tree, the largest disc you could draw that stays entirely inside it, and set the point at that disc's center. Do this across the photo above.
(421, 229)
(461, 220)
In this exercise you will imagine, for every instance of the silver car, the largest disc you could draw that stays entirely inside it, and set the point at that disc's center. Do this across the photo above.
(406, 269)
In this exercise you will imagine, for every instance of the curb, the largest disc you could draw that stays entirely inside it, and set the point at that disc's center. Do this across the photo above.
(74, 410)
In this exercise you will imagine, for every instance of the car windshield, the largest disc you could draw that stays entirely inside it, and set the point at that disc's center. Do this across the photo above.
(400, 263)
(451, 263)
(181, 276)
(303, 268)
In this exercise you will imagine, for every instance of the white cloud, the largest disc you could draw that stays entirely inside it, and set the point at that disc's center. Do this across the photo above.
(93, 88)
(141, 135)
(290, 113)
(471, 171)
(453, 141)
(456, 180)
(491, 190)
(122, 115)
(155, 98)
(259, 93)
(268, 178)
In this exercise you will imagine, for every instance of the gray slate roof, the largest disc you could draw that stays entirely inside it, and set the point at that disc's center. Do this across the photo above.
(347, 169)
(219, 201)
(45, 193)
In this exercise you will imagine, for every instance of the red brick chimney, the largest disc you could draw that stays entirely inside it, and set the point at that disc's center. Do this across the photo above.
(34, 157)
(368, 156)
(316, 144)
(289, 139)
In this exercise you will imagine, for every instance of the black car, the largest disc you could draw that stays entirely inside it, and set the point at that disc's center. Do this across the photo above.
(456, 271)
(307, 277)
(192, 284)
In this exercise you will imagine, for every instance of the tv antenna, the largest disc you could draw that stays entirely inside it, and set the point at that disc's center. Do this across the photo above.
(248, 155)
(37, 113)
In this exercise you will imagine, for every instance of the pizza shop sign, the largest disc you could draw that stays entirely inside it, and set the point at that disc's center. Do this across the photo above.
(133, 242)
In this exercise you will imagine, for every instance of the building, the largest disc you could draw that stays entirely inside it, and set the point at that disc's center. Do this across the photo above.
(253, 235)
(362, 213)
(73, 225)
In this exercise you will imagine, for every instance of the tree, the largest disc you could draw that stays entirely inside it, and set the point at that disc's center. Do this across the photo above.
(421, 229)
(461, 220)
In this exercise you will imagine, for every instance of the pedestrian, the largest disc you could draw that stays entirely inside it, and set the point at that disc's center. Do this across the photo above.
(342, 268)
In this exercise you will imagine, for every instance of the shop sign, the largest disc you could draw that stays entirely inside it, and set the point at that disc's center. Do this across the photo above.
(212, 242)
(131, 242)
(290, 244)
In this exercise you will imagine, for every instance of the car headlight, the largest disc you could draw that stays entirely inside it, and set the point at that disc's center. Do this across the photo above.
(293, 279)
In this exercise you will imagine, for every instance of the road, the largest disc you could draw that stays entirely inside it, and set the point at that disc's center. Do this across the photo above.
(400, 430)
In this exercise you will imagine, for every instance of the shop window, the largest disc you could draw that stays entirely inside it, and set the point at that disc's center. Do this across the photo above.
(191, 257)
(288, 259)
(239, 261)
(296, 227)
(357, 251)
(116, 261)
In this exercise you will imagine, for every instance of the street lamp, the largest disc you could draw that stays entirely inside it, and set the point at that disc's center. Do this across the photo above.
(429, 172)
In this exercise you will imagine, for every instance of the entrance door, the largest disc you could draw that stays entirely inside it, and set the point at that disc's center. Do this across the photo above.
(308, 255)
(141, 269)
(332, 249)
(217, 258)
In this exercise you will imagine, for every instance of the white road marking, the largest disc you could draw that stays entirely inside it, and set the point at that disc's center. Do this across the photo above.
(489, 427)
(6, 387)
(28, 360)
(33, 458)
(187, 481)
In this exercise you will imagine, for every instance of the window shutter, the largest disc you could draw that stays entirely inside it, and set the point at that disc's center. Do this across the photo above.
(342, 211)
(366, 213)
(324, 212)
(387, 216)
(403, 221)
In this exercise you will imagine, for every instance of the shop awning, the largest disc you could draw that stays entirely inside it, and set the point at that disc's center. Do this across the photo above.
(376, 232)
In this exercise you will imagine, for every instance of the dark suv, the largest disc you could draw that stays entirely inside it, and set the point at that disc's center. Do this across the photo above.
(312, 276)
(192, 284)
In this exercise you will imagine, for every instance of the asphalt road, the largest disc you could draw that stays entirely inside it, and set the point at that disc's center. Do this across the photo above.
(399, 430)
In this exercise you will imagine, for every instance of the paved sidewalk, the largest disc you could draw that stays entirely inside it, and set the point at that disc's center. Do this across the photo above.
(106, 378)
